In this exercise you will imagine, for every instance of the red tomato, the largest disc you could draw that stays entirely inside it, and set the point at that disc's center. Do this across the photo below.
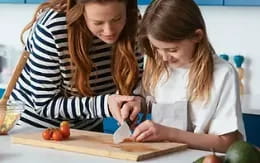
(64, 123)
(65, 130)
(57, 135)
(47, 134)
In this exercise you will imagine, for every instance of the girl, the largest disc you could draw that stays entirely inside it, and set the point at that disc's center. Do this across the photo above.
(196, 93)
(81, 53)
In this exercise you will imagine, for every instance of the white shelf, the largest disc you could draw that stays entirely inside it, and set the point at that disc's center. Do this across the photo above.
(250, 104)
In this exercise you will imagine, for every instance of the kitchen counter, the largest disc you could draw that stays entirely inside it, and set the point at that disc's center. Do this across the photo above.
(16, 153)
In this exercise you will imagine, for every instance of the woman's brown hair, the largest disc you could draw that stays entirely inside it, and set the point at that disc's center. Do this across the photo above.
(173, 21)
(124, 65)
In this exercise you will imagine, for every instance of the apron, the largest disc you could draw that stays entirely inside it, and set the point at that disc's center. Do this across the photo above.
(171, 115)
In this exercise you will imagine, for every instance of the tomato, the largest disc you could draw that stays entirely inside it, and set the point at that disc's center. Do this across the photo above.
(57, 135)
(47, 134)
(65, 129)
(64, 123)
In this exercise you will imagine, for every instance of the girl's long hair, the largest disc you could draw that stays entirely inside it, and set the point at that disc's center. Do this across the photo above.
(124, 65)
(173, 21)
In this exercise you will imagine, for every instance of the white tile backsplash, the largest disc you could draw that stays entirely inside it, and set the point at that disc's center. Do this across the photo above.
(232, 30)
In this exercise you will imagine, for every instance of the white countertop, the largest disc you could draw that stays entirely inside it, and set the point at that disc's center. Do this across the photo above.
(16, 153)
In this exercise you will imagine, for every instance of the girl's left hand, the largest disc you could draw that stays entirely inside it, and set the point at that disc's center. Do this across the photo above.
(150, 131)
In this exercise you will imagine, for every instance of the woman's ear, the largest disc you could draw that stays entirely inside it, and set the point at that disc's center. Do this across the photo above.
(198, 35)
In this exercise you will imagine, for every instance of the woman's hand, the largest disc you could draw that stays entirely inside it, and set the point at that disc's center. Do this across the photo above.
(150, 131)
(122, 107)
(131, 109)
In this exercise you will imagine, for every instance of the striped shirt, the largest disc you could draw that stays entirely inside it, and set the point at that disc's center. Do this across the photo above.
(46, 77)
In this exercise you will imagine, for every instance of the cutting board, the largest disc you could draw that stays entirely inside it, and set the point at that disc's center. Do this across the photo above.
(100, 144)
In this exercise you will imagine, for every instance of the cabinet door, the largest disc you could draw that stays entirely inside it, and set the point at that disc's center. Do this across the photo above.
(12, 1)
(242, 2)
(209, 2)
(35, 1)
(144, 2)
(140, 2)
(252, 128)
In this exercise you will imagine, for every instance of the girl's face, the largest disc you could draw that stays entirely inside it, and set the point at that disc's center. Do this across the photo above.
(106, 20)
(175, 54)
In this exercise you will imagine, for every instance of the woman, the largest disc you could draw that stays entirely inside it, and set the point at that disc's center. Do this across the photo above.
(196, 93)
(81, 53)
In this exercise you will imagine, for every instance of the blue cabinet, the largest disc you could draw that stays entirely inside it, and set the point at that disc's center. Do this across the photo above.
(12, 1)
(242, 2)
(252, 128)
(2, 90)
(199, 2)
(110, 124)
(34, 1)
(209, 2)
(144, 2)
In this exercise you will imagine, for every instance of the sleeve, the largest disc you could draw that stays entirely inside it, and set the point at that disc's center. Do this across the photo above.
(228, 116)
(139, 55)
(44, 78)
(140, 61)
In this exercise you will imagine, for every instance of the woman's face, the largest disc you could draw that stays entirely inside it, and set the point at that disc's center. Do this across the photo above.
(174, 54)
(106, 20)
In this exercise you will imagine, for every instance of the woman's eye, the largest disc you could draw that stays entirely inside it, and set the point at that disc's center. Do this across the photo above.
(172, 50)
(116, 20)
(98, 23)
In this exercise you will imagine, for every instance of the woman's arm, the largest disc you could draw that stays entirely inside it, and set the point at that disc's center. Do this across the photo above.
(44, 83)
(40, 84)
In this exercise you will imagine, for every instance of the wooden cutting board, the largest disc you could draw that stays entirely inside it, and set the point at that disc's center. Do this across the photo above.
(100, 144)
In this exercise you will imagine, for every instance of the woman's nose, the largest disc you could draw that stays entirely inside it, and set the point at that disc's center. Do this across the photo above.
(108, 29)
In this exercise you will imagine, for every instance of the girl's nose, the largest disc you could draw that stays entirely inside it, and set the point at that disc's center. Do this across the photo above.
(164, 55)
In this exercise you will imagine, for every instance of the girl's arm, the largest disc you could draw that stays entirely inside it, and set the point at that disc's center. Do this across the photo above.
(150, 131)
(220, 143)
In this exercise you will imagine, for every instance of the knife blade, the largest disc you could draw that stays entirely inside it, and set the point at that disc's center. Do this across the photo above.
(122, 132)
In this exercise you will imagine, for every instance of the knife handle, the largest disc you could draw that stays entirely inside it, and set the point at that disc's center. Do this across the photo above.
(128, 121)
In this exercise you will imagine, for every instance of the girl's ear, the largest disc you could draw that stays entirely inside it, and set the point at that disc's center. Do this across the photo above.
(198, 35)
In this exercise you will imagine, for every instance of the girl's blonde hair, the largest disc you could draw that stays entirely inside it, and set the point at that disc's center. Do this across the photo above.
(124, 64)
(173, 21)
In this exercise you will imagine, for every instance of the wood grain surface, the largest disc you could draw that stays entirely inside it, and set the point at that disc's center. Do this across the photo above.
(100, 144)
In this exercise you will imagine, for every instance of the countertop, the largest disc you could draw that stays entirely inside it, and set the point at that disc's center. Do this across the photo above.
(16, 153)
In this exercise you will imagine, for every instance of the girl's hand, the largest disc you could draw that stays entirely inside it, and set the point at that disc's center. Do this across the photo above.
(122, 107)
(150, 131)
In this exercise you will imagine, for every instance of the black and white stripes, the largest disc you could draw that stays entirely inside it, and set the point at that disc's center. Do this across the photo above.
(45, 80)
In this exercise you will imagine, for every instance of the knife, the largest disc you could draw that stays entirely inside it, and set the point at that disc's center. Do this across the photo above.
(122, 132)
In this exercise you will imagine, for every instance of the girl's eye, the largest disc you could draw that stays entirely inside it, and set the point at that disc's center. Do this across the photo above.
(154, 48)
